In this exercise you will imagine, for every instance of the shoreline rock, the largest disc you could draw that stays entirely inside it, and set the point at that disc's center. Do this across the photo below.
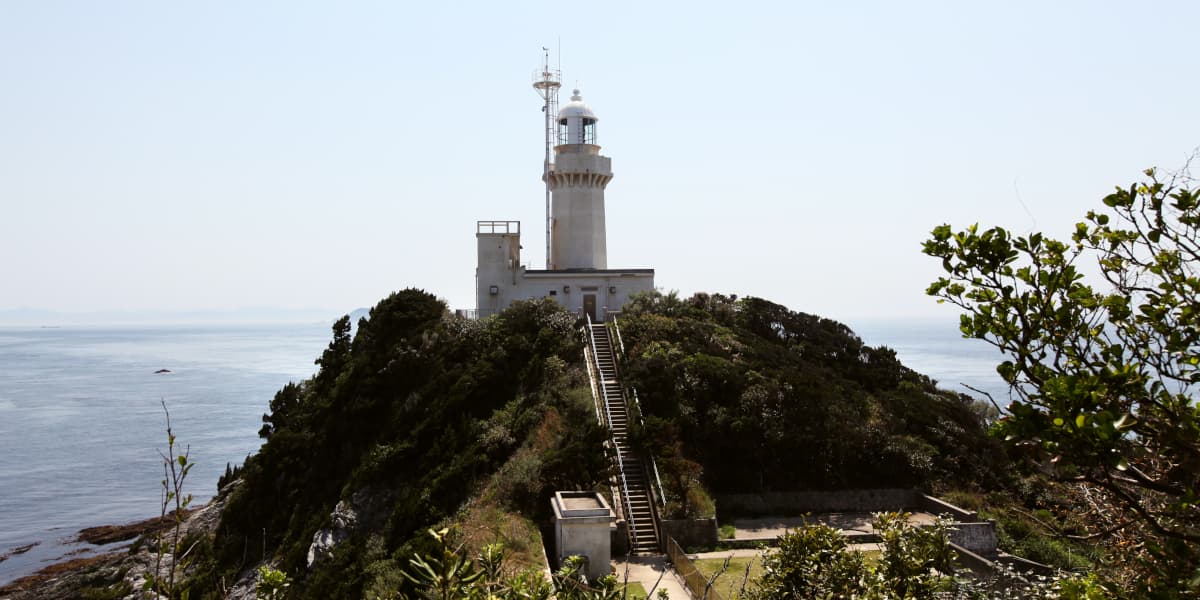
(18, 550)
(125, 568)
(109, 534)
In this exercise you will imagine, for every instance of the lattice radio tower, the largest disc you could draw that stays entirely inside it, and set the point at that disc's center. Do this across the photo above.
(546, 83)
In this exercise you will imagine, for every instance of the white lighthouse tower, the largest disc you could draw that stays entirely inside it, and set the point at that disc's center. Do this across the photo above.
(577, 274)
(577, 181)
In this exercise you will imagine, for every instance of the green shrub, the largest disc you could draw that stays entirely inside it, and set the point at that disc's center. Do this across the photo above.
(727, 531)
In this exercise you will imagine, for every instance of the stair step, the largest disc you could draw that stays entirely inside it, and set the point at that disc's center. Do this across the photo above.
(635, 496)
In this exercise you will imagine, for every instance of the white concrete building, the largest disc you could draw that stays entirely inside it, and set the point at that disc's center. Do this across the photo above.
(582, 527)
(577, 276)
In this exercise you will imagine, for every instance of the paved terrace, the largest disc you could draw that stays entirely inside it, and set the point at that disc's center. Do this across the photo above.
(850, 523)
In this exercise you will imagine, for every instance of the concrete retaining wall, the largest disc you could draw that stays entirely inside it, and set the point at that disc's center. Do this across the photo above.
(932, 505)
(691, 533)
(619, 536)
(800, 502)
(979, 538)
(1022, 565)
(976, 563)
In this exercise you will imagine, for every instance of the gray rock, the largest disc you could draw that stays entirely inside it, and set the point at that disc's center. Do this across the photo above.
(344, 520)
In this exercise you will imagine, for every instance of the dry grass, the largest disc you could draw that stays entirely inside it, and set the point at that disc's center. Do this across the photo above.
(483, 525)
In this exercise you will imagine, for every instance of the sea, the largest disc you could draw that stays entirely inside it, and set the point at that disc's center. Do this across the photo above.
(82, 421)
(82, 417)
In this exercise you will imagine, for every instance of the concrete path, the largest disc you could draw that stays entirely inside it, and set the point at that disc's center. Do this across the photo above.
(736, 553)
(646, 570)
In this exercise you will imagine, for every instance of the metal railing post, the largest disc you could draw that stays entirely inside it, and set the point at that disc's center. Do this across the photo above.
(613, 438)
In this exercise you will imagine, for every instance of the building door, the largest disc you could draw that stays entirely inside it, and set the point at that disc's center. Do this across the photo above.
(589, 306)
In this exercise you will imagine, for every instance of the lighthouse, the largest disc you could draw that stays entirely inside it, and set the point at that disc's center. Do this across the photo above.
(577, 181)
(575, 175)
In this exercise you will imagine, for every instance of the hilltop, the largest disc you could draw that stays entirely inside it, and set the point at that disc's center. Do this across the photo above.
(423, 419)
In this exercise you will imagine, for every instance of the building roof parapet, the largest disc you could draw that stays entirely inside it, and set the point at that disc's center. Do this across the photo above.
(497, 227)
(586, 272)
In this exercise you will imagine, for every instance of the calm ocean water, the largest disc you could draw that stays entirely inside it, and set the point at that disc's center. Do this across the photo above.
(936, 348)
(81, 423)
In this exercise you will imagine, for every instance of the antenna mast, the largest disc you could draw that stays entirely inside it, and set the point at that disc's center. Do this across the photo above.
(547, 83)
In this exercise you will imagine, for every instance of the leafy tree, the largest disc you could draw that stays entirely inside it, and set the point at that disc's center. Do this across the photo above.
(407, 421)
(798, 402)
(1102, 342)
(812, 562)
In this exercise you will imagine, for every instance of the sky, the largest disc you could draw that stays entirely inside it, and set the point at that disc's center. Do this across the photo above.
(173, 156)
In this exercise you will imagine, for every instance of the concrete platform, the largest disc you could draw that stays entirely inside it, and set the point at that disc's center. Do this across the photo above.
(769, 528)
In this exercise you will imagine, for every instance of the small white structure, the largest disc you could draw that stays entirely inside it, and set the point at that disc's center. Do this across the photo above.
(581, 528)
(577, 274)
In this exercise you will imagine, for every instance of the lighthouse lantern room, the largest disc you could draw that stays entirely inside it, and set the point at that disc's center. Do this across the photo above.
(576, 175)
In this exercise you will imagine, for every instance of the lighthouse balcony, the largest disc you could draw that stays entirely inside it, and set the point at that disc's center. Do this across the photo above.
(589, 149)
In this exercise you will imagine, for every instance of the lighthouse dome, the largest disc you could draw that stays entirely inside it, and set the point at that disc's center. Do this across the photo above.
(576, 108)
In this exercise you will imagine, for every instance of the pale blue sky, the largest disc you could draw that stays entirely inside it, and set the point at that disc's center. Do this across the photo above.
(219, 155)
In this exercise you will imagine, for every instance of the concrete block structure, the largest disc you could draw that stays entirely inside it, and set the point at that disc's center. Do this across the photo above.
(582, 521)
(577, 274)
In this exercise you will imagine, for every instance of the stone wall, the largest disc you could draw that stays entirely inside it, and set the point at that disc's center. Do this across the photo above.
(800, 502)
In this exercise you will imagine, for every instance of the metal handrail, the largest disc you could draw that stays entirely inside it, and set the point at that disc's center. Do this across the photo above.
(620, 341)
(662, 497)
(612, 436)
(596, 400)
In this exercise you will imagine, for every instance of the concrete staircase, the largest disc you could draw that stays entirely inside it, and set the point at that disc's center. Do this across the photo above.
(634, 484)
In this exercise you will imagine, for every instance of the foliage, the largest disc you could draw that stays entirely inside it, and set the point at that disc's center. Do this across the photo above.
(272, 584)
(796, 401)
(416, 416)
(1104, 374)
(812, 562)
(448, 576)
(446, 573)
(232, 472)
(1037, 519)
(815, 562)
(916, 562)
